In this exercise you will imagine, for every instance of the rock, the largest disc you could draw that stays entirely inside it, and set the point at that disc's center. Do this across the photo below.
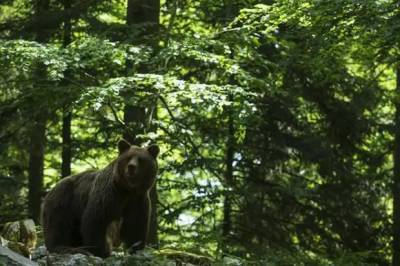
(185, 258)
(21, 231)
(70, 260)
(146, 257)
(230, 261)
(11, 258)
(18, 247)
(28, 234)
(19, 236)
(39, 253)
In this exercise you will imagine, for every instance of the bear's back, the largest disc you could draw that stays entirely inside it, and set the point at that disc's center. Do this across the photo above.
(71, 193)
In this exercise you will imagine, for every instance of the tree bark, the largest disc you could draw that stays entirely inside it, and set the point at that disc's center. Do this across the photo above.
(42, 33)
(35, 169)
(396, 179)
(147, 13)
(227, 220)
(144, 11)
(153, 229)
(135, 119)
(66, 144)
(67, 116)
(37, 131)
(67, 29)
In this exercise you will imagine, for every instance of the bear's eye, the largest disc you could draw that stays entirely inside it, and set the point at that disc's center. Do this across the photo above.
(143, 162)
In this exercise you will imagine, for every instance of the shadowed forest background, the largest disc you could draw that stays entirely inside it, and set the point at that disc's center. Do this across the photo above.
(278, 121)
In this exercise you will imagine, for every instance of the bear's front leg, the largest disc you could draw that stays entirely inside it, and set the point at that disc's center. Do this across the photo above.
(135, 222)
(93, 230)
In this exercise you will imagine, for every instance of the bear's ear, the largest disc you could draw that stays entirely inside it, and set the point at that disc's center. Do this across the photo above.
(154, 150)
(123, 146)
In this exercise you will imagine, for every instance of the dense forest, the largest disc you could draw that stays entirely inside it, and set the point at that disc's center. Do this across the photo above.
(278, 121)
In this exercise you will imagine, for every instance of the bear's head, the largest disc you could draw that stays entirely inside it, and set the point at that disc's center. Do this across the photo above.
(136, 167)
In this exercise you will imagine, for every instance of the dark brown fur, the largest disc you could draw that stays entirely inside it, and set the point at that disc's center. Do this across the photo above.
(96, 209)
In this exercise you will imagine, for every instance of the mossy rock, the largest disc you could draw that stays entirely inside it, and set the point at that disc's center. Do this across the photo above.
(184, 258)
(23, 231)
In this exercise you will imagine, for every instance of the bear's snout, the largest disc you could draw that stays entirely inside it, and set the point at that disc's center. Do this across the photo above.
(131, 169)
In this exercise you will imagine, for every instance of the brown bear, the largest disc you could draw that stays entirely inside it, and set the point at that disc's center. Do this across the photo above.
(93, 209)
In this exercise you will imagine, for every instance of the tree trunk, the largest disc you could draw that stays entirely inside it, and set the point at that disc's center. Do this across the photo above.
(153, 229)
(396, 180)
(67, 116)
(227, 218)
(146, 12)
(41, 8)
(227, 222)
(35, 169)
(135, 119)
(37, 131)
(66, 144)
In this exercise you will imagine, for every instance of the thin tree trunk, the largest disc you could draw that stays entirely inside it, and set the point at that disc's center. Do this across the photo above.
(146, 12)
(135, 119)
(396, 181)
(153, 229)
(66, 144)
(67, 29)
(227, 220)
(35, 169)
(67, 116)
(38, 131)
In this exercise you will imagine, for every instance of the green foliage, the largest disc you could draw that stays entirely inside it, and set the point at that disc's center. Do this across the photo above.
(300, 92)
